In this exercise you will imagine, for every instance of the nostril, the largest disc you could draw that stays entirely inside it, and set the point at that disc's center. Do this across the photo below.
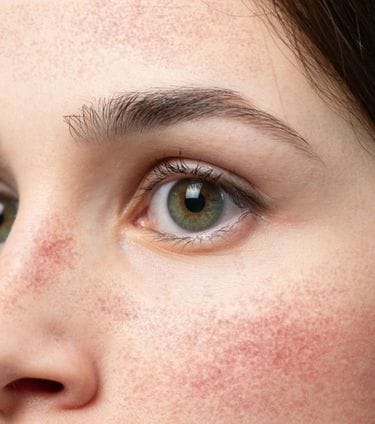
(61, 376)
(35, 385)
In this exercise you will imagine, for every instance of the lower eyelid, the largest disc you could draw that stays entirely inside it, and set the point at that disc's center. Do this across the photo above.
(223, 239)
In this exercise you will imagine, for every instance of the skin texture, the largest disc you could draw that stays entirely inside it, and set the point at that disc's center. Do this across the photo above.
(273, 324)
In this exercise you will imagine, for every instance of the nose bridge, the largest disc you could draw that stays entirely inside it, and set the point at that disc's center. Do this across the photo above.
(35, 259)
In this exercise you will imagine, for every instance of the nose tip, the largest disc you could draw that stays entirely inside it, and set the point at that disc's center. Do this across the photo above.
(39, 374)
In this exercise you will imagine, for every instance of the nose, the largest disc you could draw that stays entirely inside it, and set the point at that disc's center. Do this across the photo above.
(39, 370)
(46, 363)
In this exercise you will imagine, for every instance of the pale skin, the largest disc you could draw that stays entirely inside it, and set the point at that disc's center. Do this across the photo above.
(272, 322)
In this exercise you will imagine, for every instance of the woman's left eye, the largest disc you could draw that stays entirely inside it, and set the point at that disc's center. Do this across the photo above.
(189, 206)
(199, 204)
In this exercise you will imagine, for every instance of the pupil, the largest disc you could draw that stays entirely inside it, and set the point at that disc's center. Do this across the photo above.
(195, 204)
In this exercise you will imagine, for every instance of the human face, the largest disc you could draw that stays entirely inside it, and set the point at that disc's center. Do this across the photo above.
(122, 305)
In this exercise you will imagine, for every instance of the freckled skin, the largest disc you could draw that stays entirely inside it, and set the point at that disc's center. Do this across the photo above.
(277, 329)
(271, 368)
(307, 357)
(269, 357)
(54, 253)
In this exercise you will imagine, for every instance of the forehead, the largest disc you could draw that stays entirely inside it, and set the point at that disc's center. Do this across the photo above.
(52, 38)
(56, 55)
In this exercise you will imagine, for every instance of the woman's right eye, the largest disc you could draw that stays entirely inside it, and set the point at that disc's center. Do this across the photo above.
(8, 212)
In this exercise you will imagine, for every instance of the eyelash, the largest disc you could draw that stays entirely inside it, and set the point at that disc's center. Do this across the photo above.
(250, 200)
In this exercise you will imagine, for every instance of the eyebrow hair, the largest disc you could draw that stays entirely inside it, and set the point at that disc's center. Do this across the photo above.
(115, 117)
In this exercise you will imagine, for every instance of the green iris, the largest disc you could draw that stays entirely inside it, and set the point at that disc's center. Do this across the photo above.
(8, 211)
(195, 205)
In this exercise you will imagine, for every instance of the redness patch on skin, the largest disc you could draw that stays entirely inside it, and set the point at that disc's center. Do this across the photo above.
(51, 253)
(115, 308)
(109, 303)
(269, 344)
(274, 364)
(267, 369)
(55, 248)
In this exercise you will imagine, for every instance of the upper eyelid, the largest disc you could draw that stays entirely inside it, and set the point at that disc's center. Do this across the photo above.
(226, 179)
(166, 169)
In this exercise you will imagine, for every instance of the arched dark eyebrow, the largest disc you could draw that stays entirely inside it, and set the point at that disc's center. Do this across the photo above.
(114, 118)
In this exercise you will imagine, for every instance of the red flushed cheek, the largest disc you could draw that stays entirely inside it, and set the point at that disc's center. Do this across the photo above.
(276, 365)
(265, 347)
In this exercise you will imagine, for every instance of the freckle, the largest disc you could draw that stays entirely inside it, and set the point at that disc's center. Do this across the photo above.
(110, 302)
(115, 308)
(57, 248)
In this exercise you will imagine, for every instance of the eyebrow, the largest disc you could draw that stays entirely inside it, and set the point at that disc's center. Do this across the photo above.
(109, 119)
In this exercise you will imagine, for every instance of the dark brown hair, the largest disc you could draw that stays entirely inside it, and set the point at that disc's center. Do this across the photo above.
(337, 36)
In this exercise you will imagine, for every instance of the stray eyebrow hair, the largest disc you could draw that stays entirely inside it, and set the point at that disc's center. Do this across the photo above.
(111, 118)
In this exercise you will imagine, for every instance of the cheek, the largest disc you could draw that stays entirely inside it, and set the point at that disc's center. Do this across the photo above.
(258, 349)
(274, 349)
(278, 365)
